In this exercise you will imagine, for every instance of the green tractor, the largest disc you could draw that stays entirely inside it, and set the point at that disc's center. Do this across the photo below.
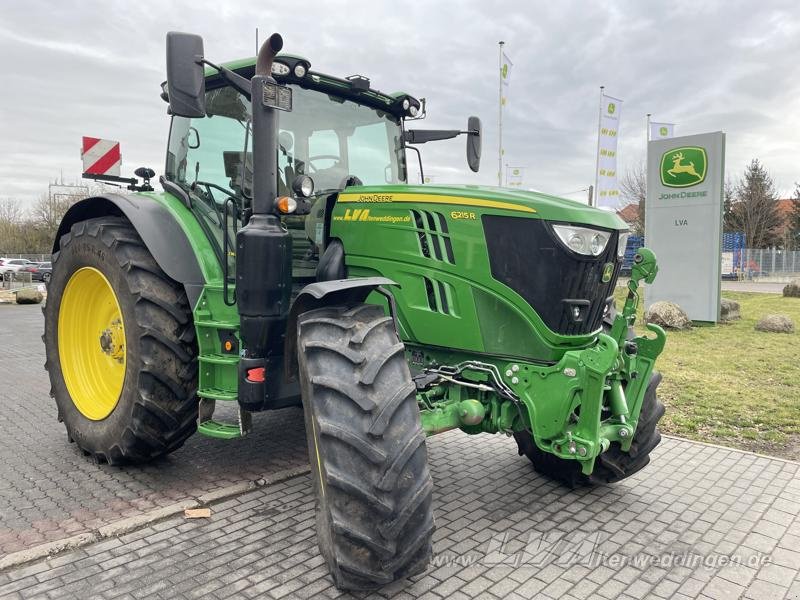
(288, 261)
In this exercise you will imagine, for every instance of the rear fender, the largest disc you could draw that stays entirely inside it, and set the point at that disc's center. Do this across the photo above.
(160, 231)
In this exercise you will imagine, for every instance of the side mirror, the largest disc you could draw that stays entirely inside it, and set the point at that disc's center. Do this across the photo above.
(186, 82)
(474, 132)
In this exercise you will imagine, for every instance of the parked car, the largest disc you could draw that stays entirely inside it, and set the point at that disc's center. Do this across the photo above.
(45, 270)
(14, 265)
(39, 271)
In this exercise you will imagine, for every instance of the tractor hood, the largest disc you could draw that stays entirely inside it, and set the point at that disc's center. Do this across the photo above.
(533, 204)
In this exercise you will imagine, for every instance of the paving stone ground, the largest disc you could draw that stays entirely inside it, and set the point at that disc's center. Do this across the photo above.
(49, 490)
(698, 522)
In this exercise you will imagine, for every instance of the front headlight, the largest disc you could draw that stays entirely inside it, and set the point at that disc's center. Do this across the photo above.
(583, 240)
(622, 244)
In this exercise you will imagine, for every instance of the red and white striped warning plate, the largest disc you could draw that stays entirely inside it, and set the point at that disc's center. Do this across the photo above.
(100, 157)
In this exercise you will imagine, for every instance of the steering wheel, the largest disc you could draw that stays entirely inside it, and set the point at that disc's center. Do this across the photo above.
(311, 159)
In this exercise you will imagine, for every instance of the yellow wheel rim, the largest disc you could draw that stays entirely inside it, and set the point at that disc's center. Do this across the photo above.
(91, 343)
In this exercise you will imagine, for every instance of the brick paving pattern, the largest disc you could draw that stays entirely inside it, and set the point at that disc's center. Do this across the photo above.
(503, 532)
(49, 490)
(699, 522)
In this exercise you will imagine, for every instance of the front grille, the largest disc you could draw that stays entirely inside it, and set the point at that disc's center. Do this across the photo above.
(525, 255)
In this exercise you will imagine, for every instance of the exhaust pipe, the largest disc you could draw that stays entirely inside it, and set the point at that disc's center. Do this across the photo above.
(263, 253)
(267, 54)
(265, 131)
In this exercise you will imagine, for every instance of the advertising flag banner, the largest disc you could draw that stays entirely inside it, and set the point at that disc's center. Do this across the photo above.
(661, 131)
(505, 69)
(505, 77)
(514, 176)
(607, 135)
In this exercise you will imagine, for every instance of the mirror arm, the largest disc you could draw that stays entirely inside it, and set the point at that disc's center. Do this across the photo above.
(421, 136)
(239, 83)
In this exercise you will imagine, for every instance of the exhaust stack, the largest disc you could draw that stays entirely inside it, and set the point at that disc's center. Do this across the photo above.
(267, 54)
(263, 250)
(265, 131)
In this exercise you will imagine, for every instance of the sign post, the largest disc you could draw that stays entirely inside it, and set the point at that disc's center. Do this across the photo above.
(683, 221)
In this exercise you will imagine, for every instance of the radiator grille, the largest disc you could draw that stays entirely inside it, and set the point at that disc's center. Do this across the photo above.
(525, 255)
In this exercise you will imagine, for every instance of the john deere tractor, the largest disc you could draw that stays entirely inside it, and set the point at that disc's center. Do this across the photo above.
(288, 261)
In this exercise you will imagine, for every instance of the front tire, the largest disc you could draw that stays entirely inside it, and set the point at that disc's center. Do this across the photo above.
(366, 445)
(120, 344)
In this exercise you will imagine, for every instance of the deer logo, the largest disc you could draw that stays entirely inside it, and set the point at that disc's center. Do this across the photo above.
(677, 167)
(683, 167)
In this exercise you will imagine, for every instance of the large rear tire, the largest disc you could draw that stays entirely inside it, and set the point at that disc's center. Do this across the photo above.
(366, 446)
(120, 344)
(611, 466)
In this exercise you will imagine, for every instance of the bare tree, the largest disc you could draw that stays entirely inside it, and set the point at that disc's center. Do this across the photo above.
(634, 191)
(755, 207)
(49, 209)
(11, 211)
(12, 228)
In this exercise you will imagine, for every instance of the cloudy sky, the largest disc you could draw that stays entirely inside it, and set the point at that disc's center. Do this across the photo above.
(94, 68)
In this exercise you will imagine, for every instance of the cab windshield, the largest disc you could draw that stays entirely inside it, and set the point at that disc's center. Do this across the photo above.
(326, 137)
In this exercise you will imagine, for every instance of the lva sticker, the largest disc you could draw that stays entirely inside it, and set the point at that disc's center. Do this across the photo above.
(683, 167)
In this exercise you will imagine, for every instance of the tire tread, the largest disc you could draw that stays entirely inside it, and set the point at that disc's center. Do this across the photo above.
(165, 413)
(374, 490)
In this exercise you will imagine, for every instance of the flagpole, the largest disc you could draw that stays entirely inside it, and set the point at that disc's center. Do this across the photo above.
(647, 133)
(500, 115)
(597, 158)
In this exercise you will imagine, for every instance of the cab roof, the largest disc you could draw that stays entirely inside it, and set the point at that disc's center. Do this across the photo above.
(356, 87)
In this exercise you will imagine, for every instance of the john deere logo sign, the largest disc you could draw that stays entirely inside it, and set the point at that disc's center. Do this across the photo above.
(683, 167)
(663, 131)
(505, 71)
(608, 272)
(612, 108)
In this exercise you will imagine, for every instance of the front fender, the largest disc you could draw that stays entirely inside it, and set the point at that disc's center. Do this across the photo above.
(317, 295)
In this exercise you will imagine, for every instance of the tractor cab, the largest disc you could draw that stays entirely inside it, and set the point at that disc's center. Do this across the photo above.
(338, 132)
(335, 133)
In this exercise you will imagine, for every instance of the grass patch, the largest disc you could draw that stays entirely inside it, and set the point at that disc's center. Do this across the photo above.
(732, 385)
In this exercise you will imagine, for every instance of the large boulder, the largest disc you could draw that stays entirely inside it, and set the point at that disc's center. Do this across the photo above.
(729, 310)
(775, 324)
(792, 289)
(667, 314)
(29, 296)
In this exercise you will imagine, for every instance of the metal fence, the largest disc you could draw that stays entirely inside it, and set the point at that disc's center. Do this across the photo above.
(764, 264)
(738, 262)
(13, 281)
